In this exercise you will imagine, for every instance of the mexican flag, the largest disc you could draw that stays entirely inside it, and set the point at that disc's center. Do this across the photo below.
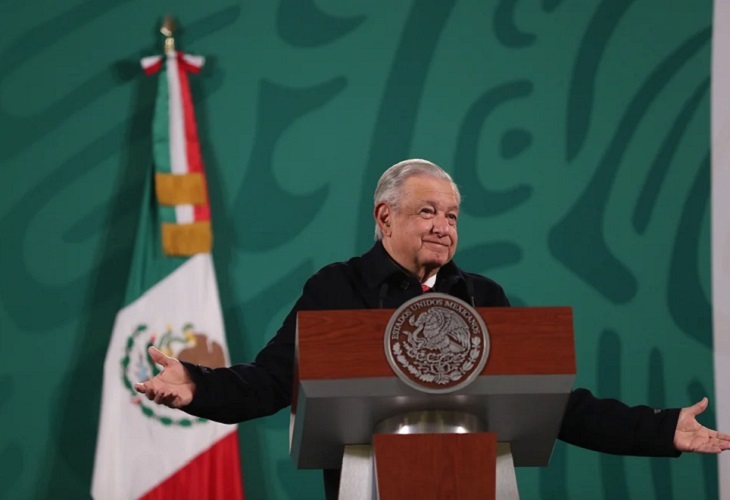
(145, 450)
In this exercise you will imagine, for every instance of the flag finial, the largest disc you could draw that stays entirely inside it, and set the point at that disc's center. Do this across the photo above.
(167, 29)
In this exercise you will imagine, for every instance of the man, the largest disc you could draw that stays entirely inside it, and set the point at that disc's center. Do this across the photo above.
(416, 213)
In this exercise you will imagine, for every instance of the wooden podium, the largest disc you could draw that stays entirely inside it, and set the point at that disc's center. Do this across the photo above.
(344, 389)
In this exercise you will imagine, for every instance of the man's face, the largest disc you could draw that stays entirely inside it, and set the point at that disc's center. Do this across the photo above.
(421, 234)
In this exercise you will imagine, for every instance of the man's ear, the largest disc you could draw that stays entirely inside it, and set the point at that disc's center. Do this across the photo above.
(383, 215)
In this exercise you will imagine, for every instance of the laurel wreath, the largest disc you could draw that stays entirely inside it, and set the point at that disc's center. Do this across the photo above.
(438, 378)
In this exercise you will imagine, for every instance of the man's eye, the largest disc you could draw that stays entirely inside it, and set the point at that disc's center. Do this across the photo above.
(427, 212)
(452, 217)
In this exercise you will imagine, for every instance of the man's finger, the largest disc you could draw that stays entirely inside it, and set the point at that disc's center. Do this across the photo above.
(163, 397)
(724, 437)
(698, 407)
(140, 387)
(157, 356)
(168, 401)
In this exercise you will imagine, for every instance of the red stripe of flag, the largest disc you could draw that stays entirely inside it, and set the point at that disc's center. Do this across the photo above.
(215, 474)
(153, 68)
(192, 143)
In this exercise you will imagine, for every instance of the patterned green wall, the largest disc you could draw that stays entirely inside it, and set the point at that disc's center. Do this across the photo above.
(578, 131)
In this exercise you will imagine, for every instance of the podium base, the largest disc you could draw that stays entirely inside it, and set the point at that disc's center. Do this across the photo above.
(358, 480)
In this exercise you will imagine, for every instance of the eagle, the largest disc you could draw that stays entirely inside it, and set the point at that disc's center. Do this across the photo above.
(440, 329)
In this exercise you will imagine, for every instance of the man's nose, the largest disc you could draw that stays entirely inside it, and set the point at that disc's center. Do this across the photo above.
(441, 225)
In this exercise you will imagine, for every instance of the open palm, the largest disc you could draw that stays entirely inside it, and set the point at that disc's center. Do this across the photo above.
(172, 387)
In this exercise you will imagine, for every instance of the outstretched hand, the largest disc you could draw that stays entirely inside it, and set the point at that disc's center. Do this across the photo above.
(172, 387)
(690, 435)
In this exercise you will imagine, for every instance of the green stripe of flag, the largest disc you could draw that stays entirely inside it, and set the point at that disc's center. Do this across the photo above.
(161, 125)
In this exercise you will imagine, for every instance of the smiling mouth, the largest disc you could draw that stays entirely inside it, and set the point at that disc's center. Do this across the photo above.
(437, 243)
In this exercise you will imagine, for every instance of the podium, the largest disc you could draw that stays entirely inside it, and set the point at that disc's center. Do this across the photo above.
(344, 390)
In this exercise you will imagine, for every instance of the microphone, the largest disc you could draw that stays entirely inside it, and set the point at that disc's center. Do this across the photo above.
(469, 288)
(382, 294)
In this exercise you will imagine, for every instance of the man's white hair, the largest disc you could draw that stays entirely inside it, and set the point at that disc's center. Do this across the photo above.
(391, 182)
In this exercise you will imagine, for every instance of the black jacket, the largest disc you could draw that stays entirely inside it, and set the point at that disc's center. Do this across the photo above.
(374, 280)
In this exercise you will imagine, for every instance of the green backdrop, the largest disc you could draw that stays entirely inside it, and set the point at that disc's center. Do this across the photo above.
(578, 131)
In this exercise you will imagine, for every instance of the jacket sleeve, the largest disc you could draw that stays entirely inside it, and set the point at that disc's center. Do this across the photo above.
(610, 426)
(251, 390)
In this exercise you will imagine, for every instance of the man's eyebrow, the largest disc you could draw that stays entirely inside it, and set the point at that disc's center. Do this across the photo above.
(426, 202)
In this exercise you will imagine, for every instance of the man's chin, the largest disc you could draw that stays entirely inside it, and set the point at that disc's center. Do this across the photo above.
(437, 261)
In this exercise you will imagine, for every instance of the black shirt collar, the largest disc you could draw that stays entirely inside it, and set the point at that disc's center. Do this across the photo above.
(379, 267)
